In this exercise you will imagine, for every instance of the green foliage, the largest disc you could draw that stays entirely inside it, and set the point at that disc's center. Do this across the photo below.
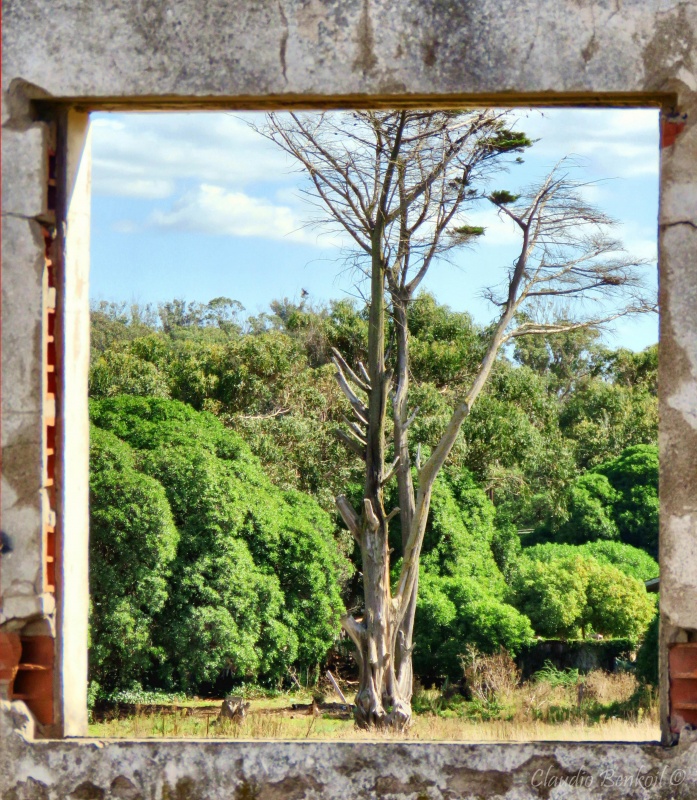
(589, 503)
(572, 595)
(505, 140)
(567, 360)
(464, 234)
(647, 656)
(618, 500)
(618, 605)
(552, 595)
(253, 546)
(630, 560)
(133, 543)
(454, 611)
(139, 696)
(502, 197)
(461, 588)
(634, 475)
(635, 370)
(255, 583)
(445, 345)
(556, 677)
(124, 373)
(460, 531)
(505, 545)
(570, 405)
(601, 419)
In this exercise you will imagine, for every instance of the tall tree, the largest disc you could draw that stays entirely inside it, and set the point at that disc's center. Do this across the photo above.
(398, 183)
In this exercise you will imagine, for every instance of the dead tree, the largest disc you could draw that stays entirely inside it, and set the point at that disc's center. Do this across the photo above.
(398, 184)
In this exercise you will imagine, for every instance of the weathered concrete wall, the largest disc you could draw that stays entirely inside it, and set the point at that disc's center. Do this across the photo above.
(126, 49)
(235, 53)
(22, 579)
(305, 770)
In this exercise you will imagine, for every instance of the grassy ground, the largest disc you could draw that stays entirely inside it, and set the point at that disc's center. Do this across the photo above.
(552, 707)
(425, 728)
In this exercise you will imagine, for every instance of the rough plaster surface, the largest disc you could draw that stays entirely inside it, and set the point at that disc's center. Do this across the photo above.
(149, 48)
(21, 571)
(305, 770)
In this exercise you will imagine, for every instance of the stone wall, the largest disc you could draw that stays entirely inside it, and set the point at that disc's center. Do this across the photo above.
(310, 770)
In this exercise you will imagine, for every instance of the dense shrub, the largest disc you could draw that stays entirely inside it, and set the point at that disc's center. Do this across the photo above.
(647, 656)
(630, 560)
(573, 595)
(461, 588)
(454, 612)
(589, 511)
(133, 543)
(617, 500)
(634, 475)
(255, 585)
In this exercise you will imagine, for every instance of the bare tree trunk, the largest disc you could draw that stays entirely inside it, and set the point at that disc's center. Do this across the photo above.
(379, 700)
(404, 643)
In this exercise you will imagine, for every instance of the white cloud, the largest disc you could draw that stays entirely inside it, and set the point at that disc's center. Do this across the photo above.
(638, 241)
(213, 210)
(614, 142)
(142, 155)
(125, 186)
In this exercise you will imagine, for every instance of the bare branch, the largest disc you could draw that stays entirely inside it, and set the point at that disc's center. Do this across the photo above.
(411, 418)
(341, 365)
(392, 514)
(350, 443)
(364, 374)
(355, 430)
(390, 472)
(277, 413)
(359, 408)
(349, 516)
(356, 630)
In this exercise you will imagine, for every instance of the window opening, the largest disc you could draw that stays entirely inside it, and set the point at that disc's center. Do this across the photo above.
(162, 230)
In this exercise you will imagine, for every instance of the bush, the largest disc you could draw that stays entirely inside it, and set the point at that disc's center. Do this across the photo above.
(255, 584)
(556, 677)
(489, 677)
(452, 613)
(618, 605)
(617, 500)
(570, 596)
(460, 533)
(634, 475)
(590, 501)
(647, 657)
(629, 560)
(133, 543)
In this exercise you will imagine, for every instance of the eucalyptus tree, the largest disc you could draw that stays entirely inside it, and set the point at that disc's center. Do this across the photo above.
(398, 184)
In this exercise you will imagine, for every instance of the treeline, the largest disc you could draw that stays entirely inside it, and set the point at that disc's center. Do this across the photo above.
(216, 549)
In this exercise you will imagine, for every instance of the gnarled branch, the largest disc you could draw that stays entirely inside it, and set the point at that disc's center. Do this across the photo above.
(349, 516)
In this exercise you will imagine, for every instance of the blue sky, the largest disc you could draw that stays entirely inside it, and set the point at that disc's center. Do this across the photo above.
(198, 205)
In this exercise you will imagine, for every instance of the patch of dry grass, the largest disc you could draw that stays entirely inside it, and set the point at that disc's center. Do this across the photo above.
(539, 710)
(259, 725)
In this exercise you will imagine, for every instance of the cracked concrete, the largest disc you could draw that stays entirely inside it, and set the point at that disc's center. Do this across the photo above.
(295, 49)
(305, 770)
